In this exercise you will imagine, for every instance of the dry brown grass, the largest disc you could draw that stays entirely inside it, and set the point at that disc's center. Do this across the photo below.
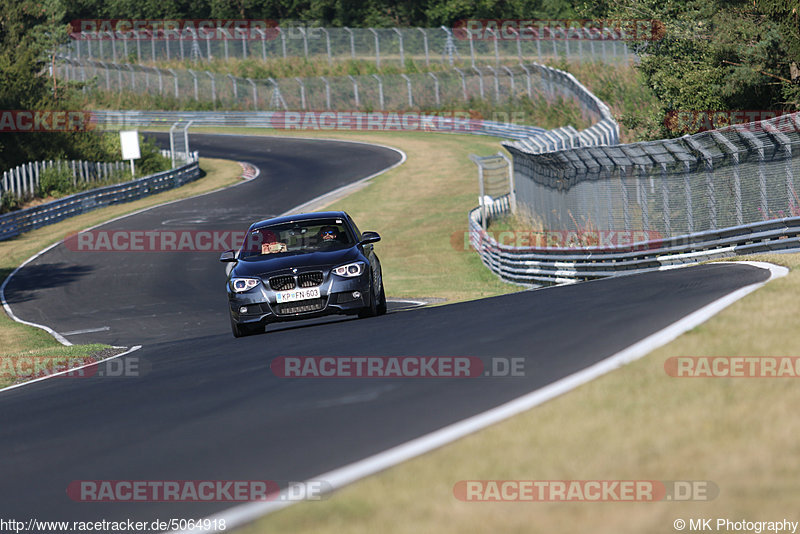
(634, 423)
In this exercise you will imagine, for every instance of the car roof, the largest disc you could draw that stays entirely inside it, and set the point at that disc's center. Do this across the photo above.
(300, 217)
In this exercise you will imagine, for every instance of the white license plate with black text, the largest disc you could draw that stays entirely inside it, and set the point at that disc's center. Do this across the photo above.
(297, 294)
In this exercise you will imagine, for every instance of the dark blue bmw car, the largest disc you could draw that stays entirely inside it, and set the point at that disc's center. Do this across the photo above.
(303, 266)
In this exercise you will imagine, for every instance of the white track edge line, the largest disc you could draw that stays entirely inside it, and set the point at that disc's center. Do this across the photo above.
(246, 513)
(21, 384)
(58, 337)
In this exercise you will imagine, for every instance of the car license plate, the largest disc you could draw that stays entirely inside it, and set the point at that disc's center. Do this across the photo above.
(297, 294)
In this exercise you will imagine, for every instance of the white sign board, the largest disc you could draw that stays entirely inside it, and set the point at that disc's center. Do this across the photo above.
(130, 144)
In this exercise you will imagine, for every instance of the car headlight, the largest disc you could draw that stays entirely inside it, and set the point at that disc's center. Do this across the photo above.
(240, 285)
(350, 270)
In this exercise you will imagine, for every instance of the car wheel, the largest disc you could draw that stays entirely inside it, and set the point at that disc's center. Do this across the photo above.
(372, 309)
(381, 308)
(242, 330)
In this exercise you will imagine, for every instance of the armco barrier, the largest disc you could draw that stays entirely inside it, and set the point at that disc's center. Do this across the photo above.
(532, 266)
(17, 222)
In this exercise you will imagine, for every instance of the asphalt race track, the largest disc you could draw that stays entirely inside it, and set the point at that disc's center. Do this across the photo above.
(208, 407)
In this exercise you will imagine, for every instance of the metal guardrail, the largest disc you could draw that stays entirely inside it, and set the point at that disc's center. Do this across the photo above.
(532, 266)
(17, 222)
(24, 179)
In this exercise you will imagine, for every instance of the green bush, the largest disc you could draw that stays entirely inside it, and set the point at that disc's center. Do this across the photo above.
(8, 202)
(56, 182)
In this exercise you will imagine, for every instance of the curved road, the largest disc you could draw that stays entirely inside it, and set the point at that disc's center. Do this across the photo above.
(208, 407)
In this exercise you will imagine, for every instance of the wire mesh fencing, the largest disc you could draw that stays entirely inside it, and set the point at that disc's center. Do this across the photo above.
(379, 45)
(706, 182)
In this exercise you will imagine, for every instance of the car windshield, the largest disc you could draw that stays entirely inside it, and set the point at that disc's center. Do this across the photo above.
(297, 237)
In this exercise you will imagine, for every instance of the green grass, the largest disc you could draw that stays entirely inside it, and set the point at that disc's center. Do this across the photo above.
(18, 340)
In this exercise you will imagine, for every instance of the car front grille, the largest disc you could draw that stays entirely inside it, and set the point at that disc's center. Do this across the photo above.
(282, 283)
(303, 306)
(312, 279)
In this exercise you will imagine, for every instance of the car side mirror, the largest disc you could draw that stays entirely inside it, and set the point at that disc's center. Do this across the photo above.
(369, 237)
(228, 256)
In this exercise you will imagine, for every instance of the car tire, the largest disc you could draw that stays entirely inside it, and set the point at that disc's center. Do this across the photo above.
(381, 308)
(242, 330)
(372, 309)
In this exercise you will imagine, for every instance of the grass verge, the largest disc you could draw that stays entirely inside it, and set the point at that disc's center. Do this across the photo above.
(635, 423)
(18, 341)
(420, 209)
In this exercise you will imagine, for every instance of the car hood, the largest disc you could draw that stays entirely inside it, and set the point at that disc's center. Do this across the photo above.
(319, 259)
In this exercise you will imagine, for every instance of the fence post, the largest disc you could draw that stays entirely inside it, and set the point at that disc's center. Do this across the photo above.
(327, 92)
(175, 78)
(402, 51)
(377, 48)
(737, 183)
(194, 81)
(757, 145)
(355, 90)
(302, 93)
(425, 45)
(352, 42)
(235, 86)
(328, 45)
(463, 83)
(480, 79)
(513, 87)
(408, 86)
(665, 201)
(624, 171)
(255, 93)
(436, 88)
(213, 90)
(380, 90)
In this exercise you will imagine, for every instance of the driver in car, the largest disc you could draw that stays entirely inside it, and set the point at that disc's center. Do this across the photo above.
(328, 234)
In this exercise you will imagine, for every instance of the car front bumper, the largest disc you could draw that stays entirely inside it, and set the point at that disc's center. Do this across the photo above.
(337, 296)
